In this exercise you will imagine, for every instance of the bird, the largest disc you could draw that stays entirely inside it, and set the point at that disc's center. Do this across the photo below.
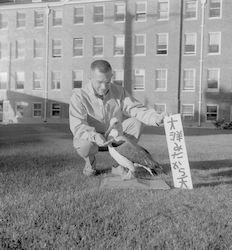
(128, 153)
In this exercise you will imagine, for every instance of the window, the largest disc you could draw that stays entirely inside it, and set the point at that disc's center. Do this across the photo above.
(190, 44)
(191, 9)
(160, 107)
(119, 45)
(213, 80)
(189, 79)
(20, 78)
(188, 112)
(141, 11)
(38, 49)
(118, 77)
(57, 17)
(55, 110)
(3, 21)
(37, 109)
(120, 10)
(20, 49)
(77, 79)
(78, 46)
(98, 46)
(214, 42)
(3, 51)
(215, 8)
(140, 43)
(56, 80)
(162, 44)
(37, 80)
(211, 112)
(163, 9)
(161, 79)
(56, 50)
(39, 18)
(139, 79)
(78, 15)
(98, 14)
(21, 20)
(3, 80)
(19, 110)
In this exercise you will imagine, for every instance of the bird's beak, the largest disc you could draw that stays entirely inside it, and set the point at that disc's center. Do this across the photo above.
(108, 130)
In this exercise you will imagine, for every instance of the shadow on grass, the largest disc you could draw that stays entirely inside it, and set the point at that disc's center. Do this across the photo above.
(208, 165)
(212, 184)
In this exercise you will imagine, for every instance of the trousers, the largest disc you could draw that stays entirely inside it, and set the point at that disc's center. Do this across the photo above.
(132, 128)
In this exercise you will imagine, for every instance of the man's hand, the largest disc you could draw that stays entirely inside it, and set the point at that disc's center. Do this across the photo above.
(101, 141)
(160, 119)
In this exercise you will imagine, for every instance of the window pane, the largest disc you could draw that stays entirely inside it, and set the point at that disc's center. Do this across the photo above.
(77, 84)
(98, 40)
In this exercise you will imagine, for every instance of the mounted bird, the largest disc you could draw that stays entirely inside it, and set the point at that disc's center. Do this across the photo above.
(129, 154)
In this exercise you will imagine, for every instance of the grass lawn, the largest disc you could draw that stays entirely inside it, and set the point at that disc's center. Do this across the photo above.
(46, 202)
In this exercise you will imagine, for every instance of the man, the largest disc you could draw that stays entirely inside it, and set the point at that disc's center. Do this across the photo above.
(93, 106)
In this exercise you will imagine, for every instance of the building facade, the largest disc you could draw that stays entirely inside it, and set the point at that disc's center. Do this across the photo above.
(172, 55)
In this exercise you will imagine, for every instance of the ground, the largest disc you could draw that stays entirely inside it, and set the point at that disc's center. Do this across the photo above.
(46, 202)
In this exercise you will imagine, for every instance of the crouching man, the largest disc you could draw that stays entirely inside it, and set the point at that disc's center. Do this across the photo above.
(92, 107)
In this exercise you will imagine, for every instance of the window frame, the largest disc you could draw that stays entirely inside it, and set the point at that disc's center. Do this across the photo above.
(158, 10)
(41, 80)
(16, 110)
(115, 14)
(206, 113)
(192, 18)
(219, 17)
(35, 12)
(157, 39)
(103, 13)
(165, 107)
(52, 82)
(218, 84)
(33, 111)
(219, 45)
(35, 49)
(135, 44)
(137, 13)
(116, 79)
(115, 38)
(17, 49)
(53, 48)
(80, 37)
(55, 117)
(16, 81)
(166, 83)
(1, 73)
(195, 45)
(2, 21)
(53, 18)
(184, 89)
(6, 51)
(17, 20)
(73, 76)
(186, 113)
(98, 46)
(74, 15)
(144, 75)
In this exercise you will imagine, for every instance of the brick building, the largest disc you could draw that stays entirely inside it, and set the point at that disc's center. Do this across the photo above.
(159, 50)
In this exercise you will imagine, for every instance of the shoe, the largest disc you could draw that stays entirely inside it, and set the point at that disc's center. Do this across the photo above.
(90, 168)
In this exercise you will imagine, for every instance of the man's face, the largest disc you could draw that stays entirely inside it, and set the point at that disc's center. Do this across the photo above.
(101, 81)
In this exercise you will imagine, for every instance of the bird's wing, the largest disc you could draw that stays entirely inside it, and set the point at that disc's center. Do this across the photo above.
(136, 154)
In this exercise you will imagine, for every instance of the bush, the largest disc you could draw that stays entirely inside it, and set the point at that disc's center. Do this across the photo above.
(221, 124)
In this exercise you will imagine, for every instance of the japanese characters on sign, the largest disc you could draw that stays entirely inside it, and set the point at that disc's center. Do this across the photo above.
(177, 152)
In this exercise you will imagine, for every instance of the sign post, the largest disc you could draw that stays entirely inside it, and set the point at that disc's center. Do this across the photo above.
(177, 152)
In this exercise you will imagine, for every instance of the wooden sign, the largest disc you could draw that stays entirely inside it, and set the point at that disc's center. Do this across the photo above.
(177, 152)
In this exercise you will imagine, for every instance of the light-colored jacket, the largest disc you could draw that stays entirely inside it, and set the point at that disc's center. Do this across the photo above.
(89, 115)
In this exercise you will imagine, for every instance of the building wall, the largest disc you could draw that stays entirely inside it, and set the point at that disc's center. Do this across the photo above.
(129, 62)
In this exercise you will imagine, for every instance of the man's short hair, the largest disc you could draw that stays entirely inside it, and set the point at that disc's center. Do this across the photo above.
(102, 65)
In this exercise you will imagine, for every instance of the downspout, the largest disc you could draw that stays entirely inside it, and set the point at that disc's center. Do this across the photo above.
(47, 11)
(180, 55)
(203, 2)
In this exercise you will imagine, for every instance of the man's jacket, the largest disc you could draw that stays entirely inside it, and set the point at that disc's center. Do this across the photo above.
(88, 114)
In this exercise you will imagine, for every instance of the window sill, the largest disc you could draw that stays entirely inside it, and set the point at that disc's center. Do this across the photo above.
(78, 56)
(98, 55)
(141, 21)
(37, 89)
(55, 89)
(118, 55)
(119, 21)
(78, 24)
(160, 90)
(212, 18)
(38, 27)
(161, 54)
(190, 54)
(140, 55)
(213, 54)
(190, 19)
(212, 90)
(99, 23)
(138, 90)
(160, 20)
(188, 90)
